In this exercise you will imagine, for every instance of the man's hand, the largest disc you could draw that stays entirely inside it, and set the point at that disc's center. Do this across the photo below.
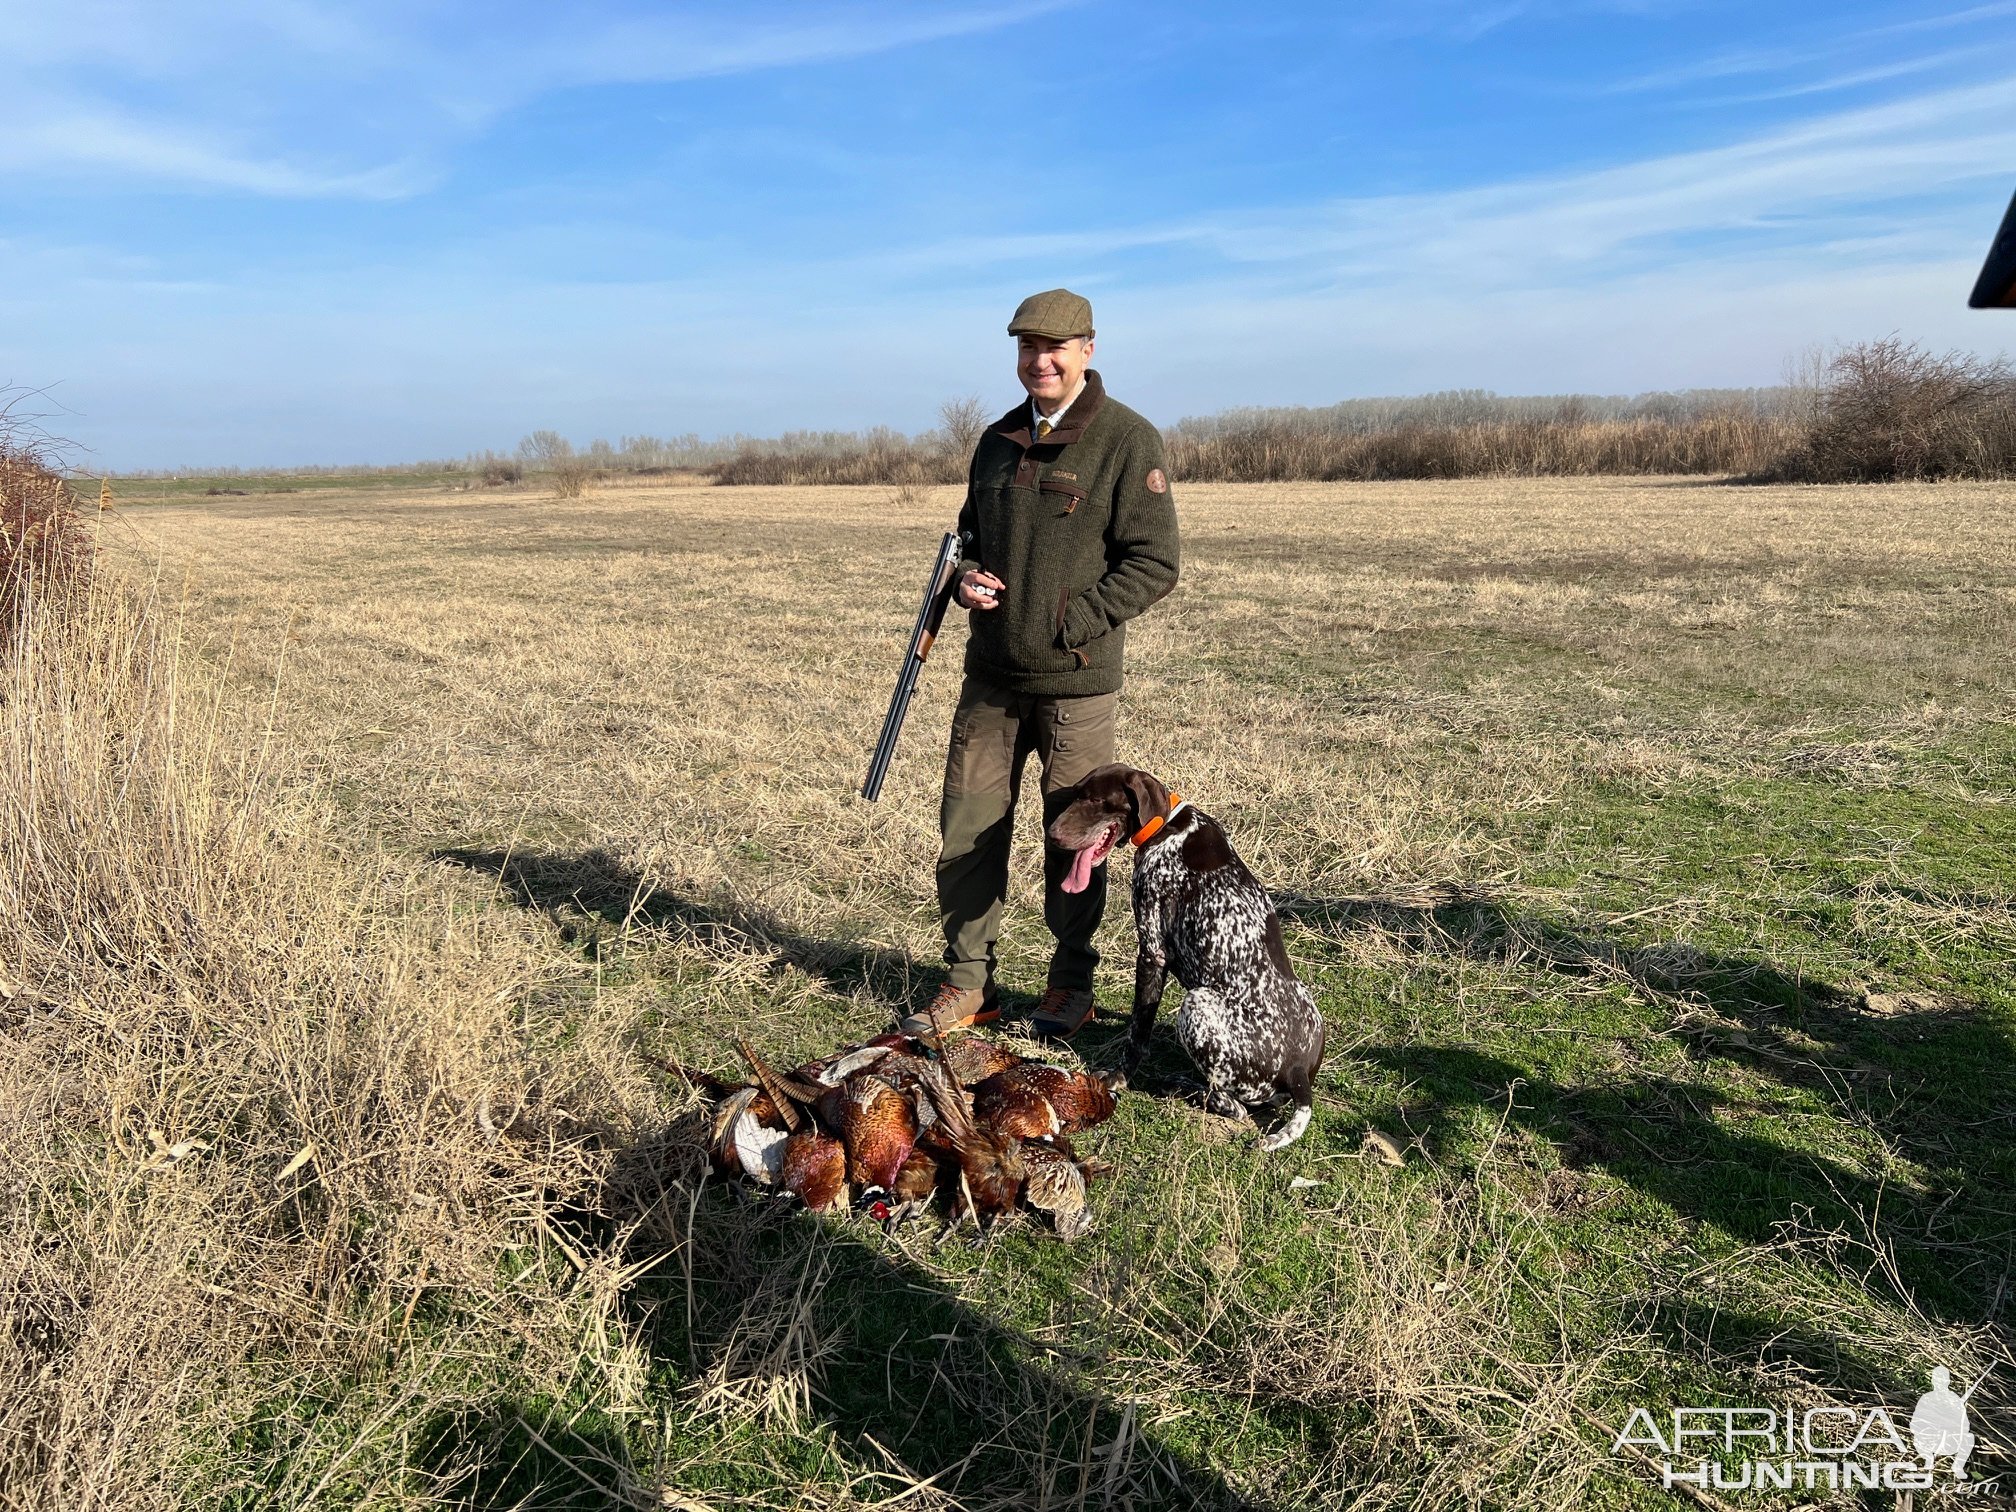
(980, 590)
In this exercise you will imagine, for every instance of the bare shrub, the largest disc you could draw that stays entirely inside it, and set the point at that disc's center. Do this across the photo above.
(1568, 443)
(1888, 410)
(553, 454)
(879, 455)
(1459, 434)
(45, 548)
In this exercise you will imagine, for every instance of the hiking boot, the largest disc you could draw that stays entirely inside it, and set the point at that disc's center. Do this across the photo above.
(1062, 1013)
(954, 1008)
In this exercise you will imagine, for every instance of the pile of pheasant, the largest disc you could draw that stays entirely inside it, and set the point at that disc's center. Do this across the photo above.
(896, 1123)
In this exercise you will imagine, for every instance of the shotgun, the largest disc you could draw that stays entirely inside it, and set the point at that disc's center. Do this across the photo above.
(939, 589)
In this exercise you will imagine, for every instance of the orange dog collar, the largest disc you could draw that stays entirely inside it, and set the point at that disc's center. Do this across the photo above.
(1148, 831)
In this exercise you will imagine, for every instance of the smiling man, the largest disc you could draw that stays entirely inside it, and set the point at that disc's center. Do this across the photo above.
(1071, 532)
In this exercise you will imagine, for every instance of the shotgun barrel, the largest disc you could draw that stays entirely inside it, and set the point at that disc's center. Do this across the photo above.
(939, 588)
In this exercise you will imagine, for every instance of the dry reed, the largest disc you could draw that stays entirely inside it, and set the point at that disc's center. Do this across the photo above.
(243, 1156)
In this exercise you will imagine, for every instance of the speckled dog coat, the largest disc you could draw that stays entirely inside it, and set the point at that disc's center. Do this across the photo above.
(1252, 1028)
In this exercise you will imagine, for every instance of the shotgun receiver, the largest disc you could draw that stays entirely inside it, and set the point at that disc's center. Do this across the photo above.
(939, 589)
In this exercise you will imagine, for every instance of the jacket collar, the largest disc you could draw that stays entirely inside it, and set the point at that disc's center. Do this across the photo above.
(1015, 424)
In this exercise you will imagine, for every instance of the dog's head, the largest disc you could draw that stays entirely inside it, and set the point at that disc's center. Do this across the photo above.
(1111, 804)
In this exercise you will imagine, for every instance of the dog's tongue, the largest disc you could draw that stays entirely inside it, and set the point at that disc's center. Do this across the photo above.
(1082, 863)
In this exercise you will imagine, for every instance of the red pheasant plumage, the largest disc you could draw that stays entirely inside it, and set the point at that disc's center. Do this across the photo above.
(815, 1169)
(1032, 1101)
(878, 1124)
(990, 1164)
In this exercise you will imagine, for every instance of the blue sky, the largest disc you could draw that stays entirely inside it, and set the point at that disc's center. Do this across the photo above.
(273, 231)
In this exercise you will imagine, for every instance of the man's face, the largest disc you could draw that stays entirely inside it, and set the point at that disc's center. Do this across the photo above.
(1050, 369)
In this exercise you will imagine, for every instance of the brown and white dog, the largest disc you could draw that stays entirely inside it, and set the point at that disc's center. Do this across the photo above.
(1250, 1025)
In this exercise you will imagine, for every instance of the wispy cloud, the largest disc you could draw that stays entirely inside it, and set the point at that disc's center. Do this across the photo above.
(55, 135)
(1821, 178)
(1853, 79)
(1833, 51)
(292, 98)
(1971, 16)
(1467, 21)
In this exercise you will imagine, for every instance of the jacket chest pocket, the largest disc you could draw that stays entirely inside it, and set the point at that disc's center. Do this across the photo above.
(1060, 497)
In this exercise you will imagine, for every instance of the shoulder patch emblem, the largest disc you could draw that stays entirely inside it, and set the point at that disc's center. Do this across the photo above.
(1158, 482)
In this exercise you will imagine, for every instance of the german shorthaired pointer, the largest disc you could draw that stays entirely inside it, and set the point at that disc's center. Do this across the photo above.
(1248, 1023)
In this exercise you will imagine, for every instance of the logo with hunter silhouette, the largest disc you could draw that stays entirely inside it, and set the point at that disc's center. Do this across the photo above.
(1939, 1423)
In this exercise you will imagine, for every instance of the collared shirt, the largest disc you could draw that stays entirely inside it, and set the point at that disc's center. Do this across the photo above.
(1036, 415)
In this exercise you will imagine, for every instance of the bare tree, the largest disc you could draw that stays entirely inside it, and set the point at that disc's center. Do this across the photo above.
(961, 421)
(552, 453)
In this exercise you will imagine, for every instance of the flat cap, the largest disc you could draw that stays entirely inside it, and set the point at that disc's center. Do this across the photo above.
(1055, 313)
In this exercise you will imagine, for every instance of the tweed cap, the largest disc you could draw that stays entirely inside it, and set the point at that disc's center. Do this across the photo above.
(1055, 313)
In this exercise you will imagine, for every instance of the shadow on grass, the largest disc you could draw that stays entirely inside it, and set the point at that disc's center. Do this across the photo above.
(782, 1335)
(1934, 1082)
(595, 896)
(802, 1360)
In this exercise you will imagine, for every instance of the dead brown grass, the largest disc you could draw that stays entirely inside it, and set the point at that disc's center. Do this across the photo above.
(297, 1132)
(241, 1083)
(706, 666)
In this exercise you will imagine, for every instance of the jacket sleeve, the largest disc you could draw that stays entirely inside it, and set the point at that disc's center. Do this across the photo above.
(1142, 554)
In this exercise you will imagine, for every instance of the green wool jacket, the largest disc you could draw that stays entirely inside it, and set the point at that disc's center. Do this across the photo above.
(1081, 527)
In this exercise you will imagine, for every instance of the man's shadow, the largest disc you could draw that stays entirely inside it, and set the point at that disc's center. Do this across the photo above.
(1893, 1071)
(595, 897)
(791, 1351)
(812, 1328)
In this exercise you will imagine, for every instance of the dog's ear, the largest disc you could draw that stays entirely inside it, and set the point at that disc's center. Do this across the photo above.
(1151, 799)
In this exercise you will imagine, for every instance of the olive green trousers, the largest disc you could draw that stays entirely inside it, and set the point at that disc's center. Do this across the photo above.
(994, 731)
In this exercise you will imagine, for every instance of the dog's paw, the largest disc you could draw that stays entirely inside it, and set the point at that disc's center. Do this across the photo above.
(1225, 1105)
(1288, 1133)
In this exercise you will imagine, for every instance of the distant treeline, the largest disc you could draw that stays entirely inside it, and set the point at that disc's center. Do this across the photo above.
(1461, 433)
(1872, 412)
(1467, 433)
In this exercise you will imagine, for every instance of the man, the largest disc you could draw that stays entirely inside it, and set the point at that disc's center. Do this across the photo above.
(1071, 532)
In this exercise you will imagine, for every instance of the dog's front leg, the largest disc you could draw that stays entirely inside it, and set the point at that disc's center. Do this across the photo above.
(1151, 972)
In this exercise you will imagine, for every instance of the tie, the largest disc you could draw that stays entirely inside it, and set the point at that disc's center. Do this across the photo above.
(1043, 428)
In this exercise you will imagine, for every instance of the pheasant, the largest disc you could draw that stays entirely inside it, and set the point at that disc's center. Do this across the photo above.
(748, 1135)
(1032, 1101)
(750, 1122)
(917, 1182)
(878, 1125)
(813, 1168)
(831, 1070)
(1056, 1185)
(972, 1059)
(990, 1164)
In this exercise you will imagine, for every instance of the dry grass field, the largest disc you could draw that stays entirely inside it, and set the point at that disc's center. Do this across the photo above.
(1648, 843)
